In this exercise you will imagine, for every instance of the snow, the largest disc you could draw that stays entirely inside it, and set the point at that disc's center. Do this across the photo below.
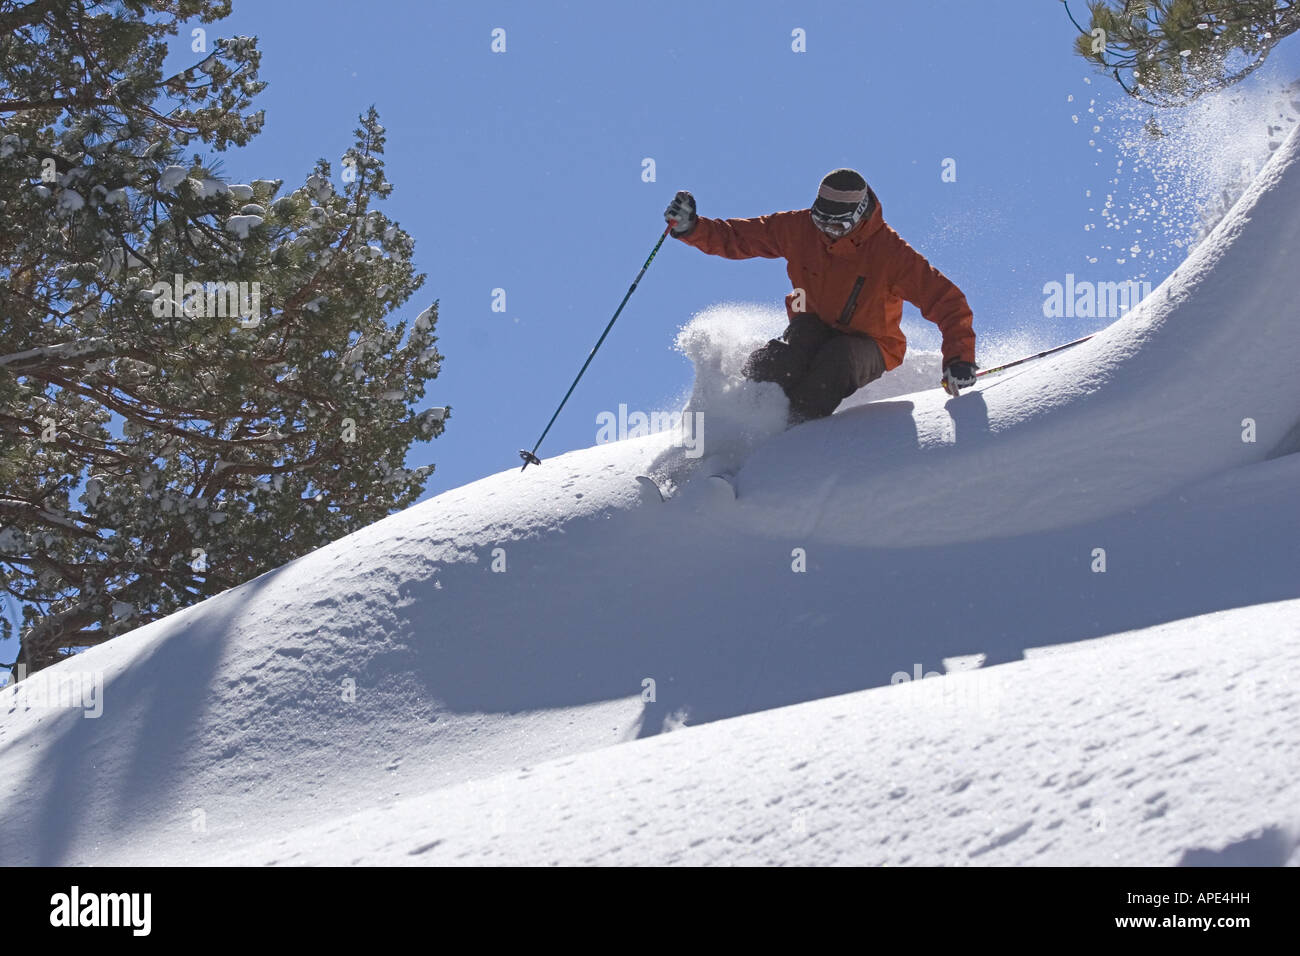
(240, 225)
(171, 177)
(320, 187)
(1054, 777)
(538, 668)
(115, 258)
(208, 188)
(72, 349)
(70, 200)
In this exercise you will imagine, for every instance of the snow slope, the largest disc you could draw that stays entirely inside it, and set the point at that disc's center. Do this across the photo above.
(385, 692)
(1182, 751)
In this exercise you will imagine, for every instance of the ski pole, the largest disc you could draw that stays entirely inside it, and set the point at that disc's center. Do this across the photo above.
(530, 457)
(1020, 361)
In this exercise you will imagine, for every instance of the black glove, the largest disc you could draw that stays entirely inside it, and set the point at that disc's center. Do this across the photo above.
(960, 374)
(680, 213)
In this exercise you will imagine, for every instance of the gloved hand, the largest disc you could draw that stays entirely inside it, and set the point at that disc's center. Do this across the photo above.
(680, 213)
(960, 374)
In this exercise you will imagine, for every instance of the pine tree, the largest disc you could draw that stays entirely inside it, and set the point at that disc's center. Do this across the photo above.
(1170, 52)
(197, 381)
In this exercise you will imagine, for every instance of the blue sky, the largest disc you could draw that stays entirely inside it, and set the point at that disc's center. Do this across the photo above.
(523, 170)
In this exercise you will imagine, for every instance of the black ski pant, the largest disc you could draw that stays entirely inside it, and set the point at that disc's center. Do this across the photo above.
(817, 366)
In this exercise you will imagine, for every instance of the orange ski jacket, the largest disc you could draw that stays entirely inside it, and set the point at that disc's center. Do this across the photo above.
(856, 283)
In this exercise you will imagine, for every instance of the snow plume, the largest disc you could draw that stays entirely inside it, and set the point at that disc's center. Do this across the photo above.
(733, 413)
(1174, 173)
(719, 340)
(739, 413)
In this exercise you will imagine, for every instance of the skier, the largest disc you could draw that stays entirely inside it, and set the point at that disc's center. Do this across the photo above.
(851, 273)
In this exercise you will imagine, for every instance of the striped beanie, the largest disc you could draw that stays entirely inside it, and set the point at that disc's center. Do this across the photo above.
(843, 195)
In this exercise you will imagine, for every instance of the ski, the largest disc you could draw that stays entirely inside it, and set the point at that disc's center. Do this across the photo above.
(651, 493)
(710, 487)
(721, 487)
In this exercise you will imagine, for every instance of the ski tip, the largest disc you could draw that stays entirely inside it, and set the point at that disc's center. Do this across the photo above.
(722, 486)
(651, 493)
